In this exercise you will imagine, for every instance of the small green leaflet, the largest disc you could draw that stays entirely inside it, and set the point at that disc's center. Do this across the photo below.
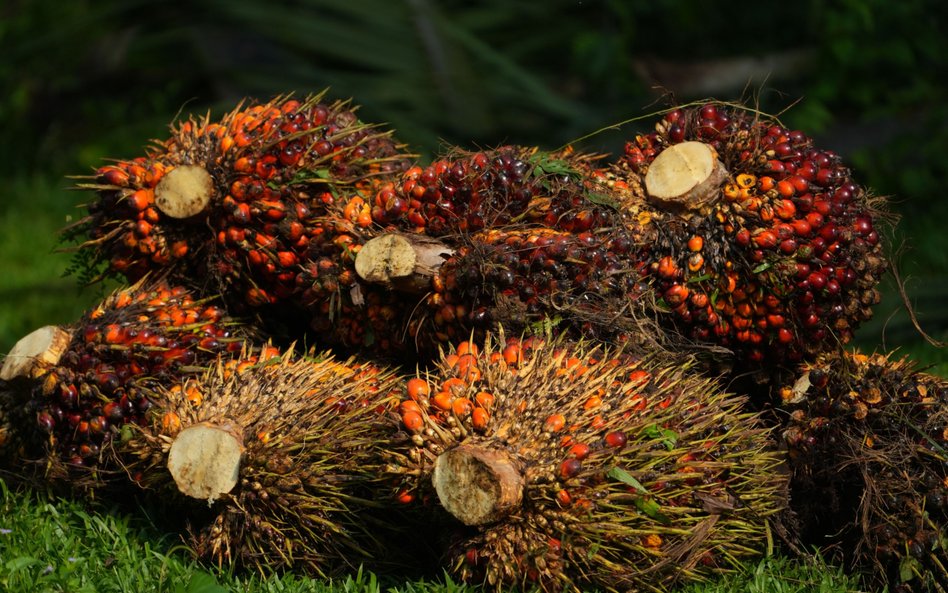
(305, 176)
(546, 325)
(908, 568)
(700, 278)
(668, 437)
(593, 550)
(602, 200)
(617, 473)
(762, 267)
(547, 166)
(646, 505)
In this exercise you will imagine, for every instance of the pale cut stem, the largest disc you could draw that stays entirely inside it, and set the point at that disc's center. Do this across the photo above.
(403, 262)
(686, 176)
(35, 353)
(184, 191)
(477, 485)
(204, 460)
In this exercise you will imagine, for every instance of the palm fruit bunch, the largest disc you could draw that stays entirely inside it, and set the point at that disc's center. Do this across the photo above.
(570, 467)
(507, 238)
(261, 205)
(467, 192)
(762, 242)
(287, 451)
(868, 447)
(79, 385)
(515, 278)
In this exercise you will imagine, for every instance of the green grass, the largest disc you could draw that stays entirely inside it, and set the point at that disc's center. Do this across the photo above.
(50, 545)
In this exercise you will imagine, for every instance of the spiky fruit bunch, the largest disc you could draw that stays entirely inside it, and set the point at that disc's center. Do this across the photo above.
(80, 384)
(242, 203)
(515, 278)
(868, 446)
(574, 467)
(763, 241)
(468, 192)
(288, 454)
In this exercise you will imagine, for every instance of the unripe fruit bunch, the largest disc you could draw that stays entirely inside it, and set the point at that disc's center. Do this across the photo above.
(287, 452)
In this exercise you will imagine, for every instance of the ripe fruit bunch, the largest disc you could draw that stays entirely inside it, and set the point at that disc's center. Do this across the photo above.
(869, 453)
(469, 192)
(82, 383)
(286, 452)
(763, 241)
(515, 278)
(245, 201)
(580, 468)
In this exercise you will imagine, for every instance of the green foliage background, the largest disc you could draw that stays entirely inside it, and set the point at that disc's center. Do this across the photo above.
(84, 80)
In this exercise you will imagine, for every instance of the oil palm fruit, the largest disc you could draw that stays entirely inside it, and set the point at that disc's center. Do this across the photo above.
(566, 466)
(869, 452)
(762, 242)
(241, 204)
(80, 384)
(286, 452)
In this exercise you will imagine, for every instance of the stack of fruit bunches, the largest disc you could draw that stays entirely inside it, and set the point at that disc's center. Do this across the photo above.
(549, 462)
(749, 236)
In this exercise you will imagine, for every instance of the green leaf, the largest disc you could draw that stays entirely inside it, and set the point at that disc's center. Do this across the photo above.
(762, 267)
(21, 562)
(908, 568)
(651, 509)
(617, 473)
(203, 582)
(700, 278)
(668, 437)
(642, 503)
(543, 165)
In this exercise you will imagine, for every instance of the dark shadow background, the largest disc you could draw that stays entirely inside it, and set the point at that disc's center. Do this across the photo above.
(83, 80)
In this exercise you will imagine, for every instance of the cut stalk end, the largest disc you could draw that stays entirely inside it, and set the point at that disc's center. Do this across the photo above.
(204, 460)
(403, 262)
(477, 485)
(687, 175)
(35, 353)
(184, 191)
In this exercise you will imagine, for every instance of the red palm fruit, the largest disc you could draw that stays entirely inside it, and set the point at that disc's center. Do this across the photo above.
(684, 492)
(867, 448)
(80, 384)
(240, 203)
(291, 454)
(764, 201)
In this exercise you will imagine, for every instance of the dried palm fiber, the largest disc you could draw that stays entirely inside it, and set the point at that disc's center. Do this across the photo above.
(278, 464)
(867, 439)
(567, 466)
(74, 388)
